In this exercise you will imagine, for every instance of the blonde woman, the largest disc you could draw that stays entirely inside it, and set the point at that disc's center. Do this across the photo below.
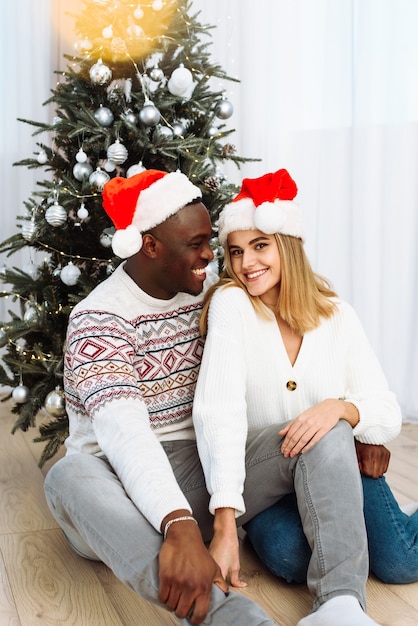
(283, 353)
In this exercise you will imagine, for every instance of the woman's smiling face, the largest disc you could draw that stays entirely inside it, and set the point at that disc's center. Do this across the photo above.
(255, 260)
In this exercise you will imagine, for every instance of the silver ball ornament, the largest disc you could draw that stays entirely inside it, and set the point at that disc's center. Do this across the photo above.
(100, 74)
(164, 131)
(109, 166)
(70, 274)
(55, 403)
(103, 116)
(20, 394)
(149, 115)
(212, 131)
(117, 152)
(178, 129)
(82, 171)
(56, 215)
(156, 74)
(224, 109)
(99, 178)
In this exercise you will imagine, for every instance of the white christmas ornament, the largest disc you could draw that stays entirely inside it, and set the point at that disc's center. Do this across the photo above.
(70, 274)
(117, 152)
(31, 269)
(29, 230)
(109, 166)
(31, 314)
(100, 74)
(82, 212)
(157, 5)
(99, 178)
(178, 129)
(56, 215)
(55, 402)
(107, 32)
(180, 81)
(20, 394)
(82, 171)
(138, 13)
(81, 156)
(137, 168)
(42, 157)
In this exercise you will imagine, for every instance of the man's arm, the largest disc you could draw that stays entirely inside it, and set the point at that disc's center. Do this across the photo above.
(373, 460)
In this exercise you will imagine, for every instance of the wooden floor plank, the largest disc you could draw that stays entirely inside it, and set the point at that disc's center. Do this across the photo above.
(42, 582)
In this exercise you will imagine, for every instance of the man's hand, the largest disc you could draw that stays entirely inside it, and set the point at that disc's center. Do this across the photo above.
(187, 573)
(373, 460)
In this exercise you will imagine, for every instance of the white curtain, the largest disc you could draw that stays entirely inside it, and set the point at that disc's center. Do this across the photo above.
(328, 90)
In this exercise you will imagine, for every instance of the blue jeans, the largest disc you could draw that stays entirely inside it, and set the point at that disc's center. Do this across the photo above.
(277, 536)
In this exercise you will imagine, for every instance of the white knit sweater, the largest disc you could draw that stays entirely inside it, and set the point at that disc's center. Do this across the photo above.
(243, 384)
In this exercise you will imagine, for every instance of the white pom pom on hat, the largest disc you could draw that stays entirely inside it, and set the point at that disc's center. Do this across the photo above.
(141, 202)
(265, 204)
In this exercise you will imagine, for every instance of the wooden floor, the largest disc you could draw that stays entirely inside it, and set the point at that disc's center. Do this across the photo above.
(42, 582)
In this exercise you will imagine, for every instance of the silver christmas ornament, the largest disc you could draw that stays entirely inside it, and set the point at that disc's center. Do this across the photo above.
(117, 152)
(106, 237)
(31, 314)
(82, 171)
(56, 215)
(20, 394)
(156, 74)
(149, 115)
(70, 274)
(103, 116)
(55, 403)
(81, 156)
(212, 131)
(224, 109)
(157, 5)
(99, 178)
(130, 117)
(164, 131)
(100, 74)
(29, 230)
(138, 13)
(178, 129)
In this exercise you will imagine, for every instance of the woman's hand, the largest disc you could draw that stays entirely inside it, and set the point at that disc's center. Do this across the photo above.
(224, 547)
(310, 426)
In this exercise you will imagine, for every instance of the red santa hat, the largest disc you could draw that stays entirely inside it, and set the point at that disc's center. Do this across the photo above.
(264, 204)
(141, 202)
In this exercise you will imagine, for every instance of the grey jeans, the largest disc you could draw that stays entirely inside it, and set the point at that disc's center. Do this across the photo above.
(100, 521)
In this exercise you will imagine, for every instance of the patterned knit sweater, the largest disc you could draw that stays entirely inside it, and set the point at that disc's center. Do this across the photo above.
(131, 365)
(247, 381)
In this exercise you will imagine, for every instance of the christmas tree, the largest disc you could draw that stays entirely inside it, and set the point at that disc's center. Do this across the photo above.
(137, 94)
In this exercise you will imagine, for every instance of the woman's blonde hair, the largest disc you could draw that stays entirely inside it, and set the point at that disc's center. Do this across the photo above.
(304, 296)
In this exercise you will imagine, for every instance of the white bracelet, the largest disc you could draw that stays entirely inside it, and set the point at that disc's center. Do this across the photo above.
(184, 518)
